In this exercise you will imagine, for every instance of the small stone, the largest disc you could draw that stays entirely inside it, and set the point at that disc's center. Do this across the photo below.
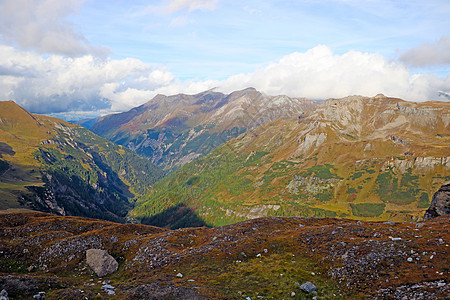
(179, 275)
(293, 294)
(108, 287)
(308, 287)
(389, 223)
(409, 259)
(258, 255)
(419, 225)
(39, 296)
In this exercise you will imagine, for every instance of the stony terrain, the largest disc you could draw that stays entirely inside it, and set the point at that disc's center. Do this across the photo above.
(266, 258)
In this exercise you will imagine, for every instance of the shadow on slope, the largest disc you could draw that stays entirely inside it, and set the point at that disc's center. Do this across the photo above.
(175, 217)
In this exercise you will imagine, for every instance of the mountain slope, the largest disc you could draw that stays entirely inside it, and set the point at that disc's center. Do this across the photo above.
(55, 166)
(365, 158)
(174, 130)
(266, 258)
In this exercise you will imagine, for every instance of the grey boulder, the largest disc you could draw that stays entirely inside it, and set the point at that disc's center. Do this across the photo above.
(101, 262)
(440, 205)
(308, 287)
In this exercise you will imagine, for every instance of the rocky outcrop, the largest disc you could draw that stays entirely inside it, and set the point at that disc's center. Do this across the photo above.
(101, 262)
(311, 141)
(440, 205)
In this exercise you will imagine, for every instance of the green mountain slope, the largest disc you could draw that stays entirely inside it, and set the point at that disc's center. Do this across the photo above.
(365, 158)
(55, 166)
(174, 130)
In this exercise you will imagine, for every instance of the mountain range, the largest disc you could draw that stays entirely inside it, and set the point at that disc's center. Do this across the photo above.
(373, 158)
(282, 182)
(174, 130)
(229, 158)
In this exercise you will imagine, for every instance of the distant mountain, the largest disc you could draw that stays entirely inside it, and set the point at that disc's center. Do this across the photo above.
(87, 123)
(175, 130)
(365, 158)
(51, 165)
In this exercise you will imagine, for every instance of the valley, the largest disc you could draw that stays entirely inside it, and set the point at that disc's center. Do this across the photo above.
(51, 165)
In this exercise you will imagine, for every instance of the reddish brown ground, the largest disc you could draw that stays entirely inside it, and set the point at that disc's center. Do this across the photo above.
(264, 258)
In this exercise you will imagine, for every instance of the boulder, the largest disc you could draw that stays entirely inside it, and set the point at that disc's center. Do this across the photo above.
(440, 204)
(308, 287)
(4, 295)
(101, 262)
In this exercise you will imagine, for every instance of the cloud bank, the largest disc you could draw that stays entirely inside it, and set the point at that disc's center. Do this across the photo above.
(428, 54)
(41, 25)
(320, 74)
(88, 83)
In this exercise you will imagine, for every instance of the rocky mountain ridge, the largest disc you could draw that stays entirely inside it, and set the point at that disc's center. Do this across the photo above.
(174, 130)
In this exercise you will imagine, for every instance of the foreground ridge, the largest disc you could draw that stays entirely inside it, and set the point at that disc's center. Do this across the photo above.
(267, 257)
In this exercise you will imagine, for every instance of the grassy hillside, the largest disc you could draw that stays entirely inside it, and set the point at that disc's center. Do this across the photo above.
(52, 165)
(363, 158)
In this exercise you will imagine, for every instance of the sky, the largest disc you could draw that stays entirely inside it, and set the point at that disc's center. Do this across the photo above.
(84, 58)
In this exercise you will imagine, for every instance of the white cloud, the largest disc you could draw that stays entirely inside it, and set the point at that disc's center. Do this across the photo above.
(41, 25)
(58, 83)
(86, 83)
(428, 54)
(172, 6)
(320, 74)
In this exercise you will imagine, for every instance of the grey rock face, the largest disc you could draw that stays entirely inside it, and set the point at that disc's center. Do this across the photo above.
(308, 287)
(101, 262)
(440, 205)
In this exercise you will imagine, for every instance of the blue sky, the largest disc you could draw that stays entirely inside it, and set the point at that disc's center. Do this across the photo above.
(96, 55)
(238, 36)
